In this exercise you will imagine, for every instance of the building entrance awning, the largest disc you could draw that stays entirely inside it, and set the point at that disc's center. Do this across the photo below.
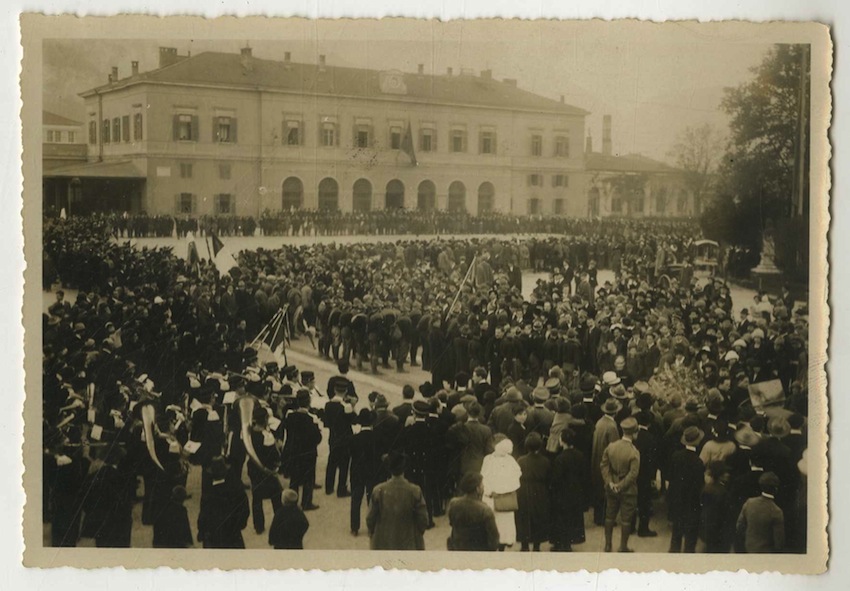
(120, 169)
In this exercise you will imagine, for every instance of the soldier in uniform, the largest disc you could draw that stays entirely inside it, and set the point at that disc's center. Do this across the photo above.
(365, 465)
(264, 481)
(418, 446)
(338, 418)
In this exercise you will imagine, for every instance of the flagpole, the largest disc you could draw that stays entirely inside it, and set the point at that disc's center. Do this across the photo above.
(460, 288)
(207, 240)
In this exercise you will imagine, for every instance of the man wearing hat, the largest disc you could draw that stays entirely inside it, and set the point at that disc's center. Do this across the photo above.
(338, 418)
(502, 415)
(761, 522)
(264, 480)
(224, 509)
(647, 444)
(418, 442)
(620, 467)
(300, 451)
(365, 465)
(318, 400)
(604, 433)
(587, 398)
(540, 418)
(683, 497)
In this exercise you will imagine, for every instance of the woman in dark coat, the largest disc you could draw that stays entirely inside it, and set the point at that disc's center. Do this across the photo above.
(570, 476)
(533, 517)
(517, 431)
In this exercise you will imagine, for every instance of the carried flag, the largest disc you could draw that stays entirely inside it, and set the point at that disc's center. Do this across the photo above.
(407, 145)
(222, 257)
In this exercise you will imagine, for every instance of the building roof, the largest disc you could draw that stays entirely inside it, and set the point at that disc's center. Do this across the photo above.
(110, 169)
(48, 118)
(596, 161)
(227, 70)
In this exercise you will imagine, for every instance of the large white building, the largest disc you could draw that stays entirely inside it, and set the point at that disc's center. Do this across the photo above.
(220, 133)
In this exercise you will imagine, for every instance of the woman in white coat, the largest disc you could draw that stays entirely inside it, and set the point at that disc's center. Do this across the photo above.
(500, 473)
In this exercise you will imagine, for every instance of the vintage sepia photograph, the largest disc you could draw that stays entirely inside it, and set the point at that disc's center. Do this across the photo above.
(320, 292)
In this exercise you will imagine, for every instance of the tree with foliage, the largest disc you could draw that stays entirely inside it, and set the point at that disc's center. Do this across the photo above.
(697, 152)
(756, 176)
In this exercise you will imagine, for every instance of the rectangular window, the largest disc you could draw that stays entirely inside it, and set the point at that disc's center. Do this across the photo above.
(185, 203)
(92, 132)
(562, 146)
(536, 145)
(224, 204)
(186, 128)
(125, 128)
(458, 140)
(361, 138)
(487, 142)
(427, 140)
(50, 139)
(225, 129)
(292, 132)
(104, 131)
(116, 130)
(224, 171)
(637, 204)
(558, 207)
(328, 134)
(533, 206)
(560, 180)
(185, 170)
(616, 204)
(72, 137)
(535, 180)
(137, 126)
(395, 138)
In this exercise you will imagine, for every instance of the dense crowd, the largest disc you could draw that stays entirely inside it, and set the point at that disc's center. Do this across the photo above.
(585, 396)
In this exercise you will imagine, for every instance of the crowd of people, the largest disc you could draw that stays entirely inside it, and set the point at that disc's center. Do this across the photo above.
(585, 396)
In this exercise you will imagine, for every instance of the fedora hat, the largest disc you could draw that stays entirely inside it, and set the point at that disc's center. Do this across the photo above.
(541, 394)
(778, 427)
(692, 436)
(612, 406)
(746, 436)
(610, 378)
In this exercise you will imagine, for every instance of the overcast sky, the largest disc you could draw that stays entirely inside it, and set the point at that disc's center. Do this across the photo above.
(652, 84)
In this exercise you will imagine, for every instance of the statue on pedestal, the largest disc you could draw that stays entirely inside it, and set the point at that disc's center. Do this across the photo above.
(767, 263)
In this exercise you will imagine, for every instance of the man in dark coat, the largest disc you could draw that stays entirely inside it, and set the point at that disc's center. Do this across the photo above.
(224, 509)
(570, 479)
(108, 505)
(683, 497)
(338, 418)
(418, 445)
(300, 451)
(476, 439)
(473, 522)
(365, 465)
(171, 522)
(647, 445)
(761, 523)
(620, 466)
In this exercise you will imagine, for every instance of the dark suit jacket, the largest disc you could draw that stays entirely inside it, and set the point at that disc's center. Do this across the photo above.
(473, 525)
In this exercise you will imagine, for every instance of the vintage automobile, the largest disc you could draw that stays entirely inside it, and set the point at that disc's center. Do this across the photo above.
(705, 257)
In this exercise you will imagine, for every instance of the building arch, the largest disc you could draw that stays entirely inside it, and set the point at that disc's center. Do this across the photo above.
(486, 197)
(292, 194)
(362, 199)
(394, 198)
(457, 197)
(426, 196)
(328, 194)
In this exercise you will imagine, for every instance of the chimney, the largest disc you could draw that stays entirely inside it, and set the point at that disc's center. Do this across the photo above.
(588, 144)
(287, 56)
(134, 68)
(322, 63)
(606, 135)
(449, 71)
(510, 81)
(115, 73)
(167, 56)
(246, 58)
(421, 69)
(487, 74)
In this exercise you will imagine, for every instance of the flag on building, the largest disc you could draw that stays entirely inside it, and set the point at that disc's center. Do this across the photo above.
(222, 257)
(192, 256)
(407, 145)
